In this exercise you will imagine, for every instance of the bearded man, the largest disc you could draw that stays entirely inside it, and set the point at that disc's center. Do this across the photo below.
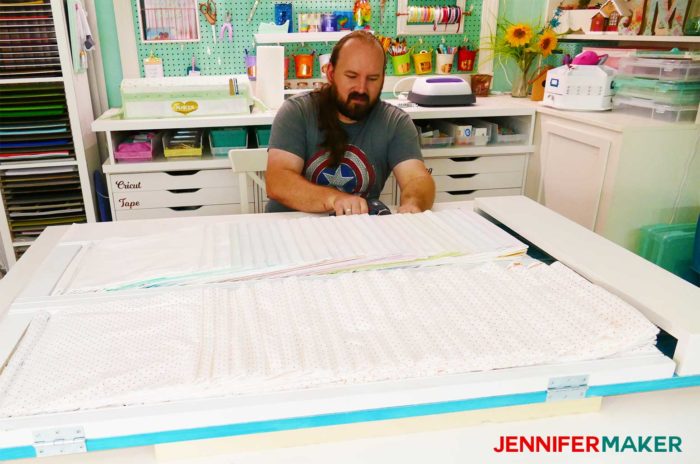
(333, 149)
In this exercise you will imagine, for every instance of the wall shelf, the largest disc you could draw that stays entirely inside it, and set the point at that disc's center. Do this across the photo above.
(633, 38)
(300, 37)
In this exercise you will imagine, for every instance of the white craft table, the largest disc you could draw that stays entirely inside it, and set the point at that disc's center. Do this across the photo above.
(453, 436)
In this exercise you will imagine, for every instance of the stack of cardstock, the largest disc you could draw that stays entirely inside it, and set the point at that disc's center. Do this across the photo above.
(39, 197)
(301, 246)
(34, 123)
(28, 45)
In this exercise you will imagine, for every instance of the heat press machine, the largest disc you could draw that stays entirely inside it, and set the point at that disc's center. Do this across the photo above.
(441, 91)
(583, 85)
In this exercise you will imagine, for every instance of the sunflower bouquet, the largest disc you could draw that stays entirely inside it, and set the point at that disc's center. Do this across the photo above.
(523, 44)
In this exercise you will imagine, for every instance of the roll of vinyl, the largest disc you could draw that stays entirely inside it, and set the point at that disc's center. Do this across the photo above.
(270, 79)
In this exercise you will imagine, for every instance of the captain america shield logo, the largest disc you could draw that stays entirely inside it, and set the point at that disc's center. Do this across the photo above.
(354, 174)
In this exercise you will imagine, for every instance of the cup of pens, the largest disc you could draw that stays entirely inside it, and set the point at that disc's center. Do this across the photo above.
(443, 62)
(250, 62)
(465, 59)
(423, 61)
(401, 63)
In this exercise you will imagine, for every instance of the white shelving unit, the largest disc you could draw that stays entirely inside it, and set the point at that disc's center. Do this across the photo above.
(206, 185)
(661, 39)
(80, 116)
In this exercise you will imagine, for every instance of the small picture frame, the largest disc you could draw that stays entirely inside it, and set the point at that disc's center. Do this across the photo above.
(168, 21)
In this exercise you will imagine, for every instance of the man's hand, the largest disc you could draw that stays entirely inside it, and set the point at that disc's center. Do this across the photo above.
(346, 204)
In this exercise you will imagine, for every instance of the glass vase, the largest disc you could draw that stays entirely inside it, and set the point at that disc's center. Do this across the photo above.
(520, 85)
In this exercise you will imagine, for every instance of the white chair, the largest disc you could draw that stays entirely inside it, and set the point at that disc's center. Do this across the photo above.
(249, 164)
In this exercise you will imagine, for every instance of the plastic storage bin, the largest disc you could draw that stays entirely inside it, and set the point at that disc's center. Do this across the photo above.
(670, 246)
(137, 147)
(224, 139)
(664, 70)
(649, 109)
(262, 136)
(497, 132)
(667, 93)
(182, 142)
(441, 141)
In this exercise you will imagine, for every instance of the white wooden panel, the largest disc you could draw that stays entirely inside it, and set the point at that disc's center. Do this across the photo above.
(489, 180)
(573, 170)
(454, 196)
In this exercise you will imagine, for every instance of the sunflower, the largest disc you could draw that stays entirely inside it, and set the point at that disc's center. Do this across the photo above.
(518, 35)
(547, 42)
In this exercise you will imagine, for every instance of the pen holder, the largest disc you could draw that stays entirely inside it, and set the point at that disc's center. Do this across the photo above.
(465, 59)
(401, 63)
(286, 67)
(323, 61)
(250, 62)
(443, 62)
(304, 65)
(481, 84)
(423, 62)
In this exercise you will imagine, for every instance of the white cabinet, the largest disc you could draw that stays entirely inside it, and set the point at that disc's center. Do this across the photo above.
(196, 186)
(574, 160)
(615, 173)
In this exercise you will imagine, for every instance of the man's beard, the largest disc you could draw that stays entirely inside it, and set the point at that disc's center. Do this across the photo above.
(357, 106)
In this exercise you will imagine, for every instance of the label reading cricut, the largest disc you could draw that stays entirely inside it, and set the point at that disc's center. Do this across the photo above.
(126, 185)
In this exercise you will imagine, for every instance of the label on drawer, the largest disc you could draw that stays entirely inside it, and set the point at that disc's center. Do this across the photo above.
(177, 198)
(124, 203)
(168, 180)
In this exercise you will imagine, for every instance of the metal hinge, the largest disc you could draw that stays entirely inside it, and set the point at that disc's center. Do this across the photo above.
(572, 387)
(65, 440)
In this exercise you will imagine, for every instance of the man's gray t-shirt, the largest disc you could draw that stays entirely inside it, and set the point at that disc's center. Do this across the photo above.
(385, 138)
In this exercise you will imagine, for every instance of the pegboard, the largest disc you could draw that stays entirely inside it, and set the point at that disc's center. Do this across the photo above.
(222, 57)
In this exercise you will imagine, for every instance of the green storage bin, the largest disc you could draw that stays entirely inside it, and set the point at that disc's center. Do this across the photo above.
(227, 138)
(262, 133)
(670, 246)
(667, 93)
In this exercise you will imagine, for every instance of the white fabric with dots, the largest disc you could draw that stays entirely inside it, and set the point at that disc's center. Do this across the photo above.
(301, 246)
(270, 335)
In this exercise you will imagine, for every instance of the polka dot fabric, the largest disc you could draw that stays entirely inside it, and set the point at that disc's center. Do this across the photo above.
(300, 332)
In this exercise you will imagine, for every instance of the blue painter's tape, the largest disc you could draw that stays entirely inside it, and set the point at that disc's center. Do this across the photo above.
(370, 415)
(398, 412)
(20, 452)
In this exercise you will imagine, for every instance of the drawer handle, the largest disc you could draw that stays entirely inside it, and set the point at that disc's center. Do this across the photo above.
(461, 176)
(184, 190)
(181, 173)
(465, 158)
(460, 192)
(185, 208)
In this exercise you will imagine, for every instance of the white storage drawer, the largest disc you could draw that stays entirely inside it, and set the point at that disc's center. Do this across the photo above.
(489, 180)
(463, 195)
(169, 180)
(183, 211)
(173, 198)
(476, 164)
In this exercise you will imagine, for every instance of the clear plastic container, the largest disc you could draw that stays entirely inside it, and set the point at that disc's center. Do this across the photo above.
(667, 93)
(182, 142)
(441, 141)
(649, 109)
(664, 70)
